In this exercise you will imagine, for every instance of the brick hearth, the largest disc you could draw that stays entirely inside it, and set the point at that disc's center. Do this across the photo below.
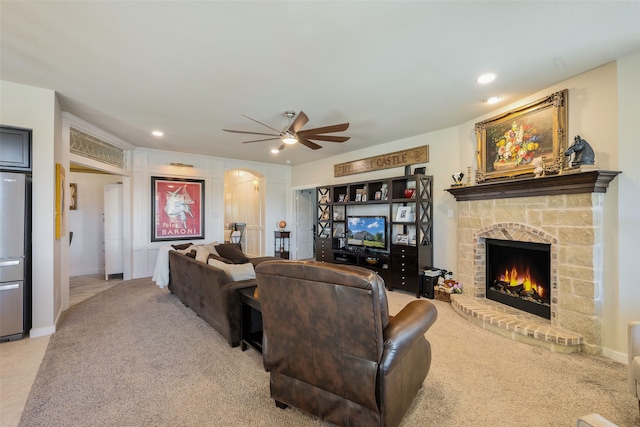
(571, 223)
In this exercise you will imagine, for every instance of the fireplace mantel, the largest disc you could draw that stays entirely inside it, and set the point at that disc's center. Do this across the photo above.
(592, 181)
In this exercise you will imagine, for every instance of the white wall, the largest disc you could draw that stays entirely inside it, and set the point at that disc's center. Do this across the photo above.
(147, 163)
(623, 302)
(34, 108)
(86, 251)
(597, 114)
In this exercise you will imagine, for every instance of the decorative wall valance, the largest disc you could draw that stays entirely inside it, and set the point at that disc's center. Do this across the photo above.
(86, 145)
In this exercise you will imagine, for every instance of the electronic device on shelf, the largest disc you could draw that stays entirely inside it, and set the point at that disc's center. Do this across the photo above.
(367, 232)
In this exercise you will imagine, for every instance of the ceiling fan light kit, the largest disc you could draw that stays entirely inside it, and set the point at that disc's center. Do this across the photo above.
(294, 133)
(289, 139)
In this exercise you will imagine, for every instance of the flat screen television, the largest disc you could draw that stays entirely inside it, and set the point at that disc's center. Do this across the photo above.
(367, 231)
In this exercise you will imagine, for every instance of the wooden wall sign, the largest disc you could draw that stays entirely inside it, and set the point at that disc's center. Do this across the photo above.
(385, 161)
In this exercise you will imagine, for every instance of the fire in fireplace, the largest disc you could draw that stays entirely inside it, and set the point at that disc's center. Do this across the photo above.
(519, 275)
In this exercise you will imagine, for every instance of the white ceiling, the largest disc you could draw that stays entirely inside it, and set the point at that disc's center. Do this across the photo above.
(393, 69)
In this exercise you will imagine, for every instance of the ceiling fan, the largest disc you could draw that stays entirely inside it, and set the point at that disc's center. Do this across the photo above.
(294, 133)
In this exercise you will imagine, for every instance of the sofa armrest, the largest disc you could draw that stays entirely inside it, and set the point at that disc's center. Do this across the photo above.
(594, 420)
(410, 324)
(634, 352)
(259, 260)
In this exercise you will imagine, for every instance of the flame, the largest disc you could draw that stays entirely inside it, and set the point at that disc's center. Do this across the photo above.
(514, 279)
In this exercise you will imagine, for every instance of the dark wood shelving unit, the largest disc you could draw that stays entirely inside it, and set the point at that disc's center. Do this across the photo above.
(409, 241)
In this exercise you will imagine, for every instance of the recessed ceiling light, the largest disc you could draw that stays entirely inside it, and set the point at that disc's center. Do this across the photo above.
(486, 78)
(275, 150)
(494, 100)
(157, 133)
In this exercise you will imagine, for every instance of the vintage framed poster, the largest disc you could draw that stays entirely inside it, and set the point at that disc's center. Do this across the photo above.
(507, 144)
(177, 209)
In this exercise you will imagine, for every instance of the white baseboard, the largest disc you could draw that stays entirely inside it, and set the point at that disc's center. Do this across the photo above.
(85, 272)
(615, 356)
(41, 332)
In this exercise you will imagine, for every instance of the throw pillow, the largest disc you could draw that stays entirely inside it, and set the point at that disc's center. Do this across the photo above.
(202, 254)
(191, 254)
(182, 246)
(187, 249)
(234, 272)
(219, 258)
(232, 252)
(211, 247)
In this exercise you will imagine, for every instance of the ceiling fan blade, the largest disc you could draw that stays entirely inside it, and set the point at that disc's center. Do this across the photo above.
(276, 130)
(300, 120)
(309, 144)
(260, 140)
(329, 138)
(250, 133)
(326, 129)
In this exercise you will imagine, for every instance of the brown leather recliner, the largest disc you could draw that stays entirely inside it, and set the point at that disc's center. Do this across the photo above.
(331, 347)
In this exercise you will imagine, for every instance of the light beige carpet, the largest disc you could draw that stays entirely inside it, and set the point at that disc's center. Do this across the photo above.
(133, 355)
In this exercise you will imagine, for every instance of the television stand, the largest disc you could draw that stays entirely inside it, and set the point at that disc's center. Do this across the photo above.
(378, 262)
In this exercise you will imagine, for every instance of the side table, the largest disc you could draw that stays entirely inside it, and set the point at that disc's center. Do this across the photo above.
(250, 319)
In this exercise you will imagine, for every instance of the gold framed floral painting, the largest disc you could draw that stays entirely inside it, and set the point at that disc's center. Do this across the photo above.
(508, 143)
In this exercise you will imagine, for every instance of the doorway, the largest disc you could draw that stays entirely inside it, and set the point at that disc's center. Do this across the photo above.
(305, 224)
(244, 210)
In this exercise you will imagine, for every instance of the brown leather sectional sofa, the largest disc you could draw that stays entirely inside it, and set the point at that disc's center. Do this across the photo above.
(207, 291)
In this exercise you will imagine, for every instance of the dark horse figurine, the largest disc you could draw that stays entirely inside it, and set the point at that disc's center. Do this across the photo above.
(584, 154)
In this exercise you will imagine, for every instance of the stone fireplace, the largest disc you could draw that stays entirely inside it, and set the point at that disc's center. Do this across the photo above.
(562, 211)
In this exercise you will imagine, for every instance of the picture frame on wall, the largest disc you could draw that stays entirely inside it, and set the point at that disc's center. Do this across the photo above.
(73, 196)
(177, 209)
(508, 143)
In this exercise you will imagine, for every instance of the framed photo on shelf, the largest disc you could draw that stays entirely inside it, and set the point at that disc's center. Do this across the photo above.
(402, 239)
(378, 195)
(508, 143)
(404, 214)
(177, 209)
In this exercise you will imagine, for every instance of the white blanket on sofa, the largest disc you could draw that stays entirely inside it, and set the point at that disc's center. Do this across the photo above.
(161, 272)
